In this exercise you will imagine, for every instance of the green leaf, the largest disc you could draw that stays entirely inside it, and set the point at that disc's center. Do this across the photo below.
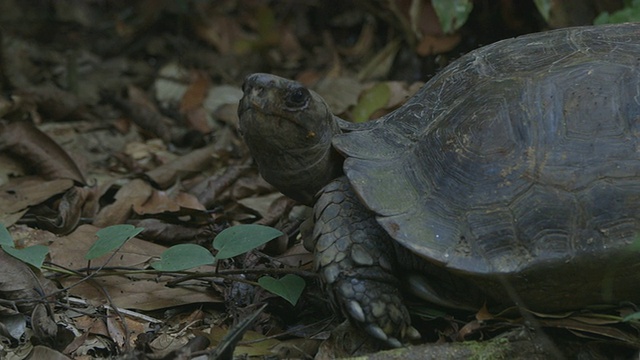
(630, 13)
(632, 317)
(5, 237)
(544, 8)
(288, 287)
(111, 238)
(33, 255)
(239, 239)
(371, 100)
(452, 13)
(182, 257)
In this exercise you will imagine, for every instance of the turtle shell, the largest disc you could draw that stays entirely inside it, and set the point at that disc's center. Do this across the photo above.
(520, 159)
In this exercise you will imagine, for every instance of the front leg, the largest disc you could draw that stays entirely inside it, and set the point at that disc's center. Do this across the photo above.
(356, 261)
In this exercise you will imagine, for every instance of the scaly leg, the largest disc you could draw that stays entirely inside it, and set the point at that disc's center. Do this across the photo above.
(356, 261)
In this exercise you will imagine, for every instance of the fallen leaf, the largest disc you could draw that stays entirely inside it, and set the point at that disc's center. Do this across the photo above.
(144, 292)
(43, 352)
(25, 141)
(135, 192)
(194, 162)
(19, 194)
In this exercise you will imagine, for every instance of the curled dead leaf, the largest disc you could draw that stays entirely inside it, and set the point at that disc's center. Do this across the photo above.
(66, 213)
(19, 194)
(38, 151)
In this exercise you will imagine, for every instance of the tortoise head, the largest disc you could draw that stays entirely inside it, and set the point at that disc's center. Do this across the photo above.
(288, 130)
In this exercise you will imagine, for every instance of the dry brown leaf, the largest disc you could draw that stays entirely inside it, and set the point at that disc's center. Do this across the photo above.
(250, 186)
(78, 342)
(261, 204)
(41, 154)
(192, 163)
(297, 257)
(483, 314)
(19, 194)
(468, 329)
(135, 192)
(191, 105)
(43, 352)
(165, 233)
(592, 331)
(165, 343)
(116, 330)
(144, 292)
(145, 114)
(66, 215)
(162, 201)
(209, 190)
(10, 168)
(68, 251)
(91, 324)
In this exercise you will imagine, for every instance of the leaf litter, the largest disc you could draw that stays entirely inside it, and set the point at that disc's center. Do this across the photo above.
(125, 113)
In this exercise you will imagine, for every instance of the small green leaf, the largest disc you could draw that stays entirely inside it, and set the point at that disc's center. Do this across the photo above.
(33, 255)
(5, 237)
(544, 8)
(182, 257)
(629, 13)
(111, 238)
(372, 99)
(239, 239)
(632, 317)
(452, 13)
(288, 287)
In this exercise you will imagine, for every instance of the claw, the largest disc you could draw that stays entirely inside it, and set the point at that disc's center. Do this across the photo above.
(376, 332)
(355, 310)
(412, 333)
(394, 343)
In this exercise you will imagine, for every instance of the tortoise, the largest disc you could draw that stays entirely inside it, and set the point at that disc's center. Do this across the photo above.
(512, 177)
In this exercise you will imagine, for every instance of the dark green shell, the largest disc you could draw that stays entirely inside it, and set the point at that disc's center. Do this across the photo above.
(521, 159)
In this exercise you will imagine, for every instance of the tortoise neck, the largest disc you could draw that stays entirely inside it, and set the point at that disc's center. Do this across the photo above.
(302, 172)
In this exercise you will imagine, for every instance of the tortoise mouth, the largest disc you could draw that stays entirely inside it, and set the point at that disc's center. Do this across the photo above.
(249, 103)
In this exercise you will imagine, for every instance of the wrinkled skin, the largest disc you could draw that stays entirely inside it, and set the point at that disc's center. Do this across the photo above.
(289, 131)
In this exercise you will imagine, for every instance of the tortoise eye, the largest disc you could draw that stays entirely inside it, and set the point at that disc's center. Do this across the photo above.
(297, 98)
